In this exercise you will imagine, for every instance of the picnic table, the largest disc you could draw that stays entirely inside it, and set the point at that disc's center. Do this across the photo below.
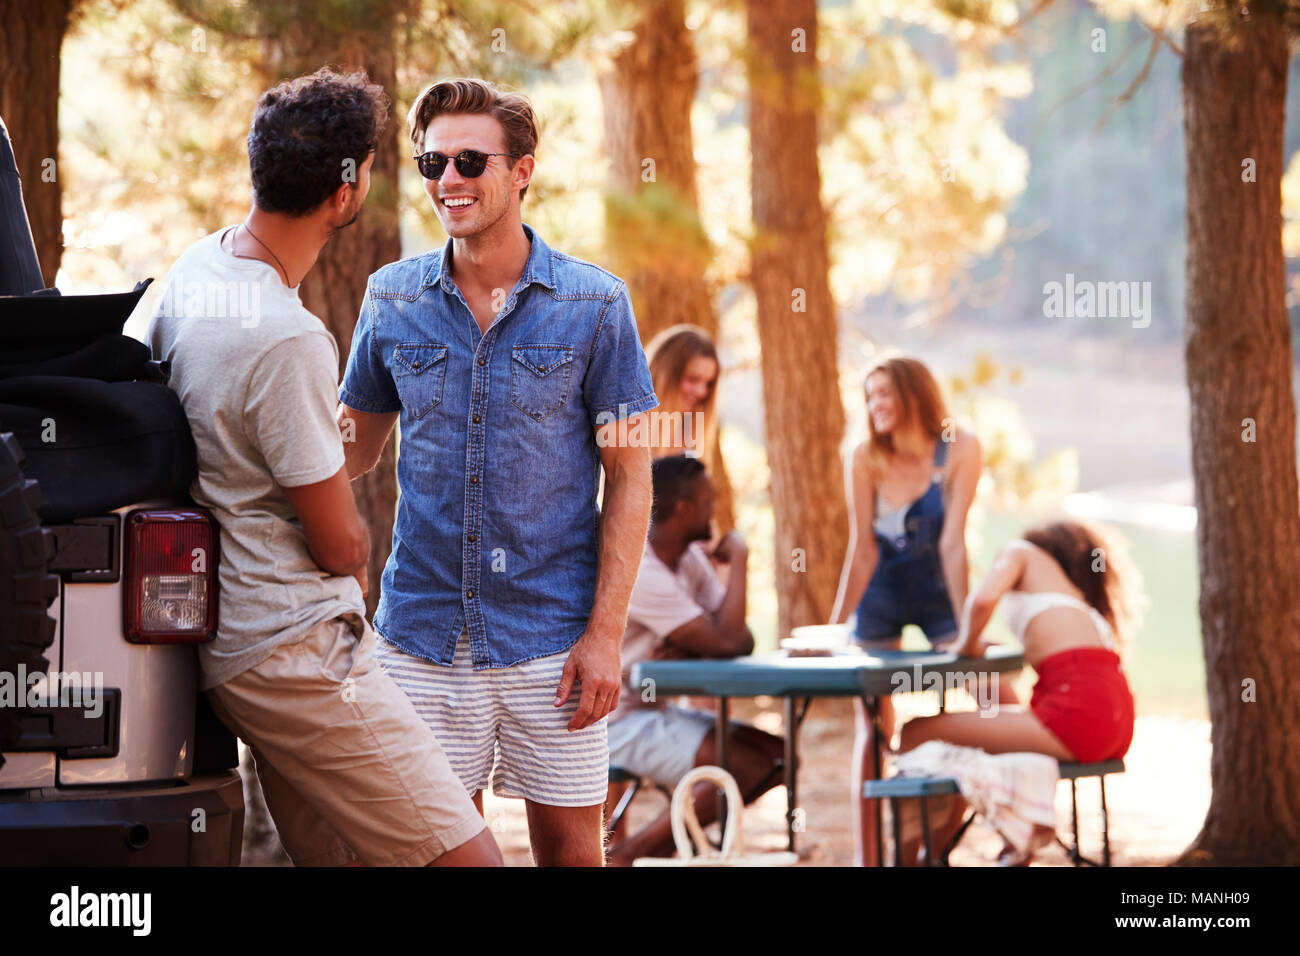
(869, 676)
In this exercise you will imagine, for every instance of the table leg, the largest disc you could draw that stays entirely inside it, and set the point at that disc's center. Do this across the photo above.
(791, 769)
(724, 761)
(873, 712)
(724, 738)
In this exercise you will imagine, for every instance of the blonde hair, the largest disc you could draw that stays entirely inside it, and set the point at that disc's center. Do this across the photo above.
(668, 354)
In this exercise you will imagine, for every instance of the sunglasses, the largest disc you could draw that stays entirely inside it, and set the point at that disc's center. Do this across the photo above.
(470, 163)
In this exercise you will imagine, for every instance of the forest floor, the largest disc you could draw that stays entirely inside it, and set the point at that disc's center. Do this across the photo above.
(1156, 806)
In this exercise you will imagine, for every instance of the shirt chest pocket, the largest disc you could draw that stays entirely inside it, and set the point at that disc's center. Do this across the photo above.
(539, 378)
(418, 372)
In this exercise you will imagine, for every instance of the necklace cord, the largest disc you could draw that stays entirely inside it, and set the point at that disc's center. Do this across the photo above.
(280, 265)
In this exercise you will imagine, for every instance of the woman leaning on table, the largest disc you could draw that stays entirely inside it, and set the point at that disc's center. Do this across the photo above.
(909, 488)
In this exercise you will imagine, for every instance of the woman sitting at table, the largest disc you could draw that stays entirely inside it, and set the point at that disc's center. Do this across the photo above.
(1068, 594)
(909, 488)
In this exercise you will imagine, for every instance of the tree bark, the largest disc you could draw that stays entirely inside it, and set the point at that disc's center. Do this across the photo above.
(1239, 367)
(30, 42)
(335, 287)
(652, 220)
(796, 315)
(655, 238)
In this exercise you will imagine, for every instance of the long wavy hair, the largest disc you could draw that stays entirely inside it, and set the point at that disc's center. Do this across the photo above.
(1097, 562)
(919, 400)
(668, 354)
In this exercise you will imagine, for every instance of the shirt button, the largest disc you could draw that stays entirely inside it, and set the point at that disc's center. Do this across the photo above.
(477, 419)
(482, 361)
(469, 594)
(473, 537)
(540, 368)
(473, 479)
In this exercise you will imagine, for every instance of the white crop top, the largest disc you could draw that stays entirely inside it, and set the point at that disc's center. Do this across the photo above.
(1020, 607)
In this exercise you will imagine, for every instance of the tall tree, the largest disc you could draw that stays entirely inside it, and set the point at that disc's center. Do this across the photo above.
(804, 416)
(1239, 367)
(647, 93)
(336, 286)
(359, 35)
(29, 102)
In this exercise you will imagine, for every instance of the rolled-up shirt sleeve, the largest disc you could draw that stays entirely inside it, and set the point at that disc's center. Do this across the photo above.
(618, 383)
(367, 382)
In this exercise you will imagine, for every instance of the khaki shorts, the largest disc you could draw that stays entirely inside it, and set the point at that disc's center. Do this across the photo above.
(349, 769)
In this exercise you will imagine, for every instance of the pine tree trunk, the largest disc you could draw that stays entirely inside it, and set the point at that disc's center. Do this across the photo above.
(654, 236)
(336, 285)
(796, 315)
(1239, 367)
(31, 36)
(655, 239)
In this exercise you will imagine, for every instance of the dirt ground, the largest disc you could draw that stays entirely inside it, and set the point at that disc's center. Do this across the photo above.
(1156, 806)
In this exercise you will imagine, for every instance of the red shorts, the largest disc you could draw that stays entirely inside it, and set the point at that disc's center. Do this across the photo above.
(1083, 698)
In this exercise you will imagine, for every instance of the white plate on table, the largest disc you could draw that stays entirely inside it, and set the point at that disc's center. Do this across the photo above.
(819, 640)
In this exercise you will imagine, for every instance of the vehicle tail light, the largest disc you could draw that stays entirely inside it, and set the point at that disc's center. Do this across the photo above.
(171, 576)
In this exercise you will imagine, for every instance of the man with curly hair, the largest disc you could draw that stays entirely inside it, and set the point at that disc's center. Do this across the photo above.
(349, 768)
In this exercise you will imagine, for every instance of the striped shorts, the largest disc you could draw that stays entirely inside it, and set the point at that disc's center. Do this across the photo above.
(501, 724)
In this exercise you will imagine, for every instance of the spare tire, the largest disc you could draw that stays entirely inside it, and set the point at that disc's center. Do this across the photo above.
(26, 585)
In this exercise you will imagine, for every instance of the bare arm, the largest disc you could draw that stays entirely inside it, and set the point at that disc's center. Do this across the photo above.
(723, 633)
(861, 555)
(364, 436)
(1008, 567)
(336, 536)
(595, 659)
(952, 538)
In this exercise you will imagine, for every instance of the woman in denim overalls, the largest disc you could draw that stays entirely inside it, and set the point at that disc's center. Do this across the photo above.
(909, 487)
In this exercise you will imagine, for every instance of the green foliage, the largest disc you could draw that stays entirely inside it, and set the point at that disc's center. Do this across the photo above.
(917, 170)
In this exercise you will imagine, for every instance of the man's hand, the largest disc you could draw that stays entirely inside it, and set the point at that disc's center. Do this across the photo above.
(731, 548)
(594, 662)
(363, 579)
(671, 652)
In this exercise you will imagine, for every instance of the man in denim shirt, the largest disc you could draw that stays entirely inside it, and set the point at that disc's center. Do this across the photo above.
(517, 375)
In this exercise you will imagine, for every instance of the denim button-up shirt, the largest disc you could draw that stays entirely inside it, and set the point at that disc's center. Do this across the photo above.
(497, 464)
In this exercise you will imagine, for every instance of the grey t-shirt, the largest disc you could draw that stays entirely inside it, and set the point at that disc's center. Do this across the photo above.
(257, 375)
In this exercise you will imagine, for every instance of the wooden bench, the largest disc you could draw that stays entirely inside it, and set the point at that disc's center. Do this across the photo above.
(900, 788)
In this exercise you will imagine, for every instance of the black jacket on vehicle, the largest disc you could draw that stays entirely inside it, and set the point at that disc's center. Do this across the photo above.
(100, 428)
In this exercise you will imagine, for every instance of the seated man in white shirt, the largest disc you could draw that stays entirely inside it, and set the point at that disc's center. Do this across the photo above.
(678, 609)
